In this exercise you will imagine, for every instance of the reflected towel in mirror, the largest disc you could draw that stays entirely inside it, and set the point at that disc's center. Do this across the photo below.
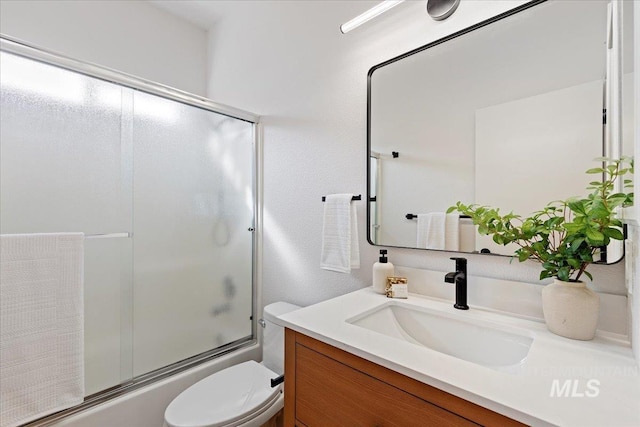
(438, 230)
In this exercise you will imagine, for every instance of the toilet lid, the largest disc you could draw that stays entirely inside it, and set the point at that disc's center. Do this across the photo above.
(223, 397)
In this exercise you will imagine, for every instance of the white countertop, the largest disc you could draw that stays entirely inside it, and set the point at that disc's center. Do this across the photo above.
(604, 372)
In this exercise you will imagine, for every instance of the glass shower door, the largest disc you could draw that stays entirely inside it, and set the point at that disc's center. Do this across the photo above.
(164, 192)
(62, 166)
(193, 208)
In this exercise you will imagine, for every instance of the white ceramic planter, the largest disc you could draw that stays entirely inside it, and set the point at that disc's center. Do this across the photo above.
(570, 309)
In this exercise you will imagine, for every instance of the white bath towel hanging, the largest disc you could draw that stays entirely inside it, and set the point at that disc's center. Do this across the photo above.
(41, 325)
(340, 250)
(437, 230)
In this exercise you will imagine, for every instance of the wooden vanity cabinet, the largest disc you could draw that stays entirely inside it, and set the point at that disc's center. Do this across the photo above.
(328, 387)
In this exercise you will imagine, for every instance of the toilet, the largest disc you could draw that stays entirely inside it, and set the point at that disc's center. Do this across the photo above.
(241, 395)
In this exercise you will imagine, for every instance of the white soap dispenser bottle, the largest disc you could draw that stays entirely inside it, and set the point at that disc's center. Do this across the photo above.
(381, 270)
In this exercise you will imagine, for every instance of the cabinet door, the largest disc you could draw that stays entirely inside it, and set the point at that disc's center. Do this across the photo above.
(327, 386)
(331, 393)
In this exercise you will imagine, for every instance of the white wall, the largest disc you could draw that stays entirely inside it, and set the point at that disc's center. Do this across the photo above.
(566, 122)
(129, 36)
(289, 62)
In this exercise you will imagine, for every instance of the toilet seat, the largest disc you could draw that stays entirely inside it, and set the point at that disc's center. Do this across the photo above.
(229, 397)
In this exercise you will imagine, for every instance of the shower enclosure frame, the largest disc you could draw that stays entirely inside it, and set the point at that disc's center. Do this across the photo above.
(20, 48)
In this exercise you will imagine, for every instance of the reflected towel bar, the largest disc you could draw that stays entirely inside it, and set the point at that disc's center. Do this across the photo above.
(413, 216)
(107, 235)
(358, 197)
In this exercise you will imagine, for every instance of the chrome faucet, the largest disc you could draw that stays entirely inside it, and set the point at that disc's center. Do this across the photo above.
(459, 277)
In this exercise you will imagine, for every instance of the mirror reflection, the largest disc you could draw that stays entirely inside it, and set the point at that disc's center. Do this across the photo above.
(509, 115)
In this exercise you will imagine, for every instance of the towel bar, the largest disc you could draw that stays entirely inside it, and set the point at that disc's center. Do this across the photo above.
(413, 216)
(358, 197)
(108, 235)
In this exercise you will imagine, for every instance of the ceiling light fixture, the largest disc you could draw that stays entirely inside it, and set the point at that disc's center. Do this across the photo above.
(441, 9)
(368, 15)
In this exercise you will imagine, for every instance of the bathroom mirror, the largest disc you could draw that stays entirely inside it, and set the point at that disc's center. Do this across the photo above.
(508, 113)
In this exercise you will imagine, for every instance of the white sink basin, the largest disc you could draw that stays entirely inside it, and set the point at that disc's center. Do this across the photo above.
(481, 344)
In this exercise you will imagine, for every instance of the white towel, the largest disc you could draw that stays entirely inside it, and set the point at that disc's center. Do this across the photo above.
(452, 232)
(340, 251)
(41, 325)
(437, 230)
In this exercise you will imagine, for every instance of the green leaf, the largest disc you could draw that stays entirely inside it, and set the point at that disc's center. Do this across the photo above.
(574, 263)
(586, 256)
(594, 236)
(564, 274)
(616, 200)
(613, 233)
(595, 170)
(523, 256)
(599, 212)
(574, 227)
(577, 206)
(616, 223)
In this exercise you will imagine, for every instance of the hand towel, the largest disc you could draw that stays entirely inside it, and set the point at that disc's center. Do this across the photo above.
(452, 232)
(340, 250)
(431, 230)
(437, 230)
(41, 325)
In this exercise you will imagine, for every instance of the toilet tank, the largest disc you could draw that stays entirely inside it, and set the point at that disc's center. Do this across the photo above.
(273, 338)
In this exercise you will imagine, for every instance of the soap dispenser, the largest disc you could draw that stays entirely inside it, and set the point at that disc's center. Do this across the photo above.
(381, 270)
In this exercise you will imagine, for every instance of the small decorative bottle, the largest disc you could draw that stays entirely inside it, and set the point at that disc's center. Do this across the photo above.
(381, 270)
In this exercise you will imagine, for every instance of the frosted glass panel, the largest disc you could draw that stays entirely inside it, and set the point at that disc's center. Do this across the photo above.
(193, 206)
(107, 278)
(60, 152)
(61, 169)
(82, 154)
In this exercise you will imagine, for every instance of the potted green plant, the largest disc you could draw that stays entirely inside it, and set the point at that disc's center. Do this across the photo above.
(564, 237)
